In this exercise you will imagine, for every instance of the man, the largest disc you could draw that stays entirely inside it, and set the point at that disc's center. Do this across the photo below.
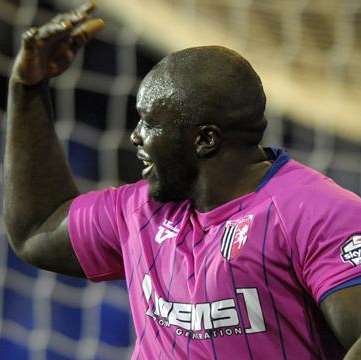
(230, 250)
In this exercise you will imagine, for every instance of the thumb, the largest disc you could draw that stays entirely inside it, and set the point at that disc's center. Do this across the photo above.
(86, 31)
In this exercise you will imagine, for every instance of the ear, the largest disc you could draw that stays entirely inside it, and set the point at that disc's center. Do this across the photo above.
(208, 140)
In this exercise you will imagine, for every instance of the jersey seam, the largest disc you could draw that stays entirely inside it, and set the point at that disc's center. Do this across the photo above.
(140, 206)
(282, 223)
(284, 230)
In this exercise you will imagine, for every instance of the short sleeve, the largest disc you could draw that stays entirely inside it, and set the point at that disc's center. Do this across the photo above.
(329, 245)
(95, 228)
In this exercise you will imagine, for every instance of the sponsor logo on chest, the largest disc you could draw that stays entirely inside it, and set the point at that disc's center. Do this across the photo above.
(207, 319)
(235, 236)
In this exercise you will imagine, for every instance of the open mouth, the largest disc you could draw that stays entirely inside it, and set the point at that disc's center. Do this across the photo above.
(145, 159)
(148, 168)
(146, 162)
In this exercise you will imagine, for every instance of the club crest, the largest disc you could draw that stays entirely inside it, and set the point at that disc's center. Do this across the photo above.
(235, 236)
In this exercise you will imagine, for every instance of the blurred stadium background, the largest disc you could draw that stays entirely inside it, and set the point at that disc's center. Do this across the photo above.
(309, 56)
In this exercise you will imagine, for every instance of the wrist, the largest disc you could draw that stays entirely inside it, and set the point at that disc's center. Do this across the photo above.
(16, 80)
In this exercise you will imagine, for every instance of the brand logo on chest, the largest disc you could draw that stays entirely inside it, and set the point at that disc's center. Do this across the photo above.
(166, 231)
(235, 236)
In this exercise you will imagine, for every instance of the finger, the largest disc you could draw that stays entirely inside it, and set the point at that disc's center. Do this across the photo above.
(54, 31)
(86, 8)
(76, 16)
(29, 37)
(83, 33)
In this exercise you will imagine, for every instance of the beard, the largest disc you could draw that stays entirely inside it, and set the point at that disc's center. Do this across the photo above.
(175, 171)
(174, 183)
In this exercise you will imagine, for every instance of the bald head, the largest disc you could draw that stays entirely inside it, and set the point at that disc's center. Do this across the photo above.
(207, 85)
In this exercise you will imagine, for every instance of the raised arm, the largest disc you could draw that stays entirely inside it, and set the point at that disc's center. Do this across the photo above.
(38, 186)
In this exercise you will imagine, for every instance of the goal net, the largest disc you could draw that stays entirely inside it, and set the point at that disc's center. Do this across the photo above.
(47, 316)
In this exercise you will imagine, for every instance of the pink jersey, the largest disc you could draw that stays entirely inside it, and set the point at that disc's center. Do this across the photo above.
(242, 281)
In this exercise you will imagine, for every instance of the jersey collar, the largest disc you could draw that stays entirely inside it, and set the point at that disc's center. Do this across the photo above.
(223, 212)
(279, 158)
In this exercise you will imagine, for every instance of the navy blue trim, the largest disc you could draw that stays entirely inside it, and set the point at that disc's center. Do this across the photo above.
(239, 310)
(133, 270)
(265, 274)
(350, 283)
(155, 259)
(198, 242)
(207, 300)
(150, 218)
(141, 253)
(280, 158)
(141, 337)
(158, 251)
(171, 282)
(188, 346)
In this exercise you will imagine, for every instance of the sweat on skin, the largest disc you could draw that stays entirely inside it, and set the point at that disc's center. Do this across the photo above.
(201, 121)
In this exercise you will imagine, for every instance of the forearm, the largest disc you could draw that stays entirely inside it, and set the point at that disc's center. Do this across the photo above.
(37, 177)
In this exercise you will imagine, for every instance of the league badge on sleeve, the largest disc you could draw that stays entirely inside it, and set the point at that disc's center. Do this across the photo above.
(235, 236)
(351, 250)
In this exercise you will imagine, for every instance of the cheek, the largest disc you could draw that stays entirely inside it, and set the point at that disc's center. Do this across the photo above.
(152, 138)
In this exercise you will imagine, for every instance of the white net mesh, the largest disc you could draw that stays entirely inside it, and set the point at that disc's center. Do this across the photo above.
(46, 316)
(307, 52)
(43, 315)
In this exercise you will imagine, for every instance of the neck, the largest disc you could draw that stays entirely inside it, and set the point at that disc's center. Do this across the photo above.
(229, 176)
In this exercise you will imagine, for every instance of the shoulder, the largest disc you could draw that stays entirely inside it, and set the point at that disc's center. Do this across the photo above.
(129, 197)
(299, 186)
(305, 198)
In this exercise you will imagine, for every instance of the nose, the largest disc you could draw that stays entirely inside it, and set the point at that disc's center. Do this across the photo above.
(135, 138)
